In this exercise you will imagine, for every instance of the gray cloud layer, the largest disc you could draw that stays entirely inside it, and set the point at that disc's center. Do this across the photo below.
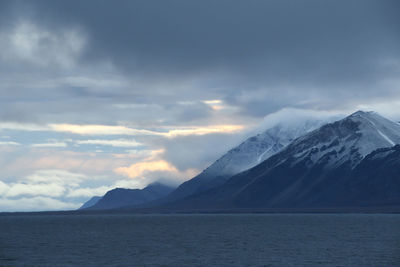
(246, 53)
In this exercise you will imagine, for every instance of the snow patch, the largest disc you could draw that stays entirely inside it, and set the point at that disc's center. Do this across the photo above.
(262, 155)
(387, 138)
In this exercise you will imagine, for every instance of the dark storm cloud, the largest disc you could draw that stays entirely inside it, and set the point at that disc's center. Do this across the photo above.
(308, 49)
(327, 40)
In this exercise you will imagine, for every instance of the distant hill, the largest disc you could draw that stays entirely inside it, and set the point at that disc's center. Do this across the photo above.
(121, 197)
(90, 202)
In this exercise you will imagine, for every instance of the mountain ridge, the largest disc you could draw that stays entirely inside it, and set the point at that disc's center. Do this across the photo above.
(247, 154)
(121, 197)
(310, 172)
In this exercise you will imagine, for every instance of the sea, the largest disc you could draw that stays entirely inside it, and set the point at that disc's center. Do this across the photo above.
(200, 240)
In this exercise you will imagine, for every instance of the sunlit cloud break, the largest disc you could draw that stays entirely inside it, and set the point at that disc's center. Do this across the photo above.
(170, 131)
(215, 104)
(123, 130)
(138, 169)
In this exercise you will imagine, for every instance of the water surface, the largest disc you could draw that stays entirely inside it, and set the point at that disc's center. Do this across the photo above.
(201, 240)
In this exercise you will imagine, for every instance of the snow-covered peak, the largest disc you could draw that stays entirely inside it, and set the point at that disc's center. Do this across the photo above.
(377, 131)
(349, 139)
(278, 130)
(258, 148)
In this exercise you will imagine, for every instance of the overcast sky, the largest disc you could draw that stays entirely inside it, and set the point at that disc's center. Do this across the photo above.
(100, 94)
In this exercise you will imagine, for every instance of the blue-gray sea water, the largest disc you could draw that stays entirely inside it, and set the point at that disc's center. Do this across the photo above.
(201, 240)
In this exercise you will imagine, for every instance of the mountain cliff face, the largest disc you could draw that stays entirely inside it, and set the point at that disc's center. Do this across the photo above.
(328, 167)
(248, 154)
(121, 197)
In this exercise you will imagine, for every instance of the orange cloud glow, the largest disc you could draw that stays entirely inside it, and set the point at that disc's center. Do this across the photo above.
(140, 168)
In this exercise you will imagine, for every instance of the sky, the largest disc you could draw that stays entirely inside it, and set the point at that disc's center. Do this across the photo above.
(102, 94)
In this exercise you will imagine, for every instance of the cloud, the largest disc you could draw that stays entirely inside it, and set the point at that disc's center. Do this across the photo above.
(36, 204)
(214, 104)
(32, 44)
(88, 192)
(58, 176)
(270, 56)
(154, 168)
(199, 151)
(9, 143)
(42, 190)
(137, 170)
(20, 163)
(56, 190)
(170, 131)
(22, 126)
(295, 116)
(184, 131)
(21, 189)
(115, 143)
(98, 129)
(388, 108)
(55, 144)
(122, 130)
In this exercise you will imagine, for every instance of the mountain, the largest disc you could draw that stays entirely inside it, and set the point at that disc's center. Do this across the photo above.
(349, 163)
(120, 197)
(376, 180)
(248, 154)
(90, 202)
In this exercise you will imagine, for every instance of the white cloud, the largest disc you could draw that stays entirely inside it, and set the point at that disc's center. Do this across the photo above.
(293, 116)
(36, 204)
(171, 131)
(144, 153)
(88, 191)
(114, 143)
(389, 109)
(9, 143)
(55, 144)
(96, 130)
(22, 126)
(57, 190)
(61, 177)
(215, 104)
(3, 188)
(137, 170)
(41, 189)
(47, 183)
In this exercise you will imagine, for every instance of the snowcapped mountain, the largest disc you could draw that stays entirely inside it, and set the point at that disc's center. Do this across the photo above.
(350, 139)
(258, 148)
(327, 167)
(248, 154)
